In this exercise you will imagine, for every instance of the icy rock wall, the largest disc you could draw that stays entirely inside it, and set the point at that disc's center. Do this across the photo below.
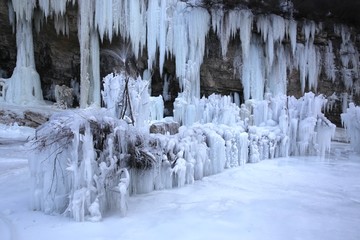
(162, 29)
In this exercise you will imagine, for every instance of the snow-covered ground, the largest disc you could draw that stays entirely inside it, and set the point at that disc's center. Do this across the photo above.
(285, 198)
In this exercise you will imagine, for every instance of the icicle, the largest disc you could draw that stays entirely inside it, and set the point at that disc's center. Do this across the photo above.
(85, 25)
(24, 86)
(236, 98)
(349, 56)
(188, 46)
(272, 29)
(137, 25)
(345, 101)
(61, 25)
(293, 35)
(308, 59)
(314, 60)
(329, 63)
(12, 19)
(277, 78)
(227, 25)
(156, 108)
(166, 93)
(24, 9)
(162, 34)
(58, 6)
(218, 25)
(309, 28)
(253, 79)
(153, 33)
(45, 6)
(246, 19)
(94, 98)
(351, 121)
(104, 18)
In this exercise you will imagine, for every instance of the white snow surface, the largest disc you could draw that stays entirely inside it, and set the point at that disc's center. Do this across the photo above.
(284, 198)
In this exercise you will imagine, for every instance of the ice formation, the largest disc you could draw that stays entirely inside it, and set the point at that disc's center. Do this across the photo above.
(24, 85)
(269, 50)
(86, 178)
(89, 161)
(351, 121)
(329, 64)
(349, 56)
(128, 97)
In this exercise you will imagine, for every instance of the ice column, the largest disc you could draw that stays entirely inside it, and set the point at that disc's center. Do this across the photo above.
(94, 97)
(24, 85)
(349, 57)
(308, 58)
(329, 63)
(188, 46)
(89, 56)
(253, 72)
(227, 24)
(351, 122)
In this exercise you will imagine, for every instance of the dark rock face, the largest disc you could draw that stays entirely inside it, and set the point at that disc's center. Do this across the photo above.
(165, 128)
(345, 11)
(7, 42)
(58, 57)
(218, 74)
(28, 118)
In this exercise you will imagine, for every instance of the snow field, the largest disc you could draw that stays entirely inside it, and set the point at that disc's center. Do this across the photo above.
(284, 198)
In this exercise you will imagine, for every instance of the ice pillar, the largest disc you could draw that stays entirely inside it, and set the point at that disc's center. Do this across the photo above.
(24, 86)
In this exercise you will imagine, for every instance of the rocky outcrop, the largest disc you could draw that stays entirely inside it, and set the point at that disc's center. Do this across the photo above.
(165, 128)
(7, 42)
(27, 118)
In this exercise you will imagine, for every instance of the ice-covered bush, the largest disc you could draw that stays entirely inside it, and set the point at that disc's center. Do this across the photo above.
(77, 168)
(126, 97)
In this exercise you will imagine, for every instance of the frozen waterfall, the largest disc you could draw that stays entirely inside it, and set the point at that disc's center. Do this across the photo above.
(269, 47)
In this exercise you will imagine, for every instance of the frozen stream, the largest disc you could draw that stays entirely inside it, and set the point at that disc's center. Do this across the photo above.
(286, 198)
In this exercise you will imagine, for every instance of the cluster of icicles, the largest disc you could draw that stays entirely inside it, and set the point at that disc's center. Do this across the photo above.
(268, 52)
(88, 161)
